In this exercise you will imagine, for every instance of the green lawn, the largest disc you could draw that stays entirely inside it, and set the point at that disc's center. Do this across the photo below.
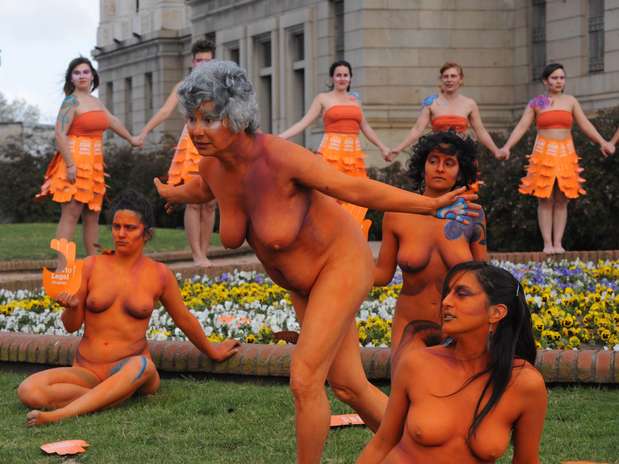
(31, 241)
(222, 420)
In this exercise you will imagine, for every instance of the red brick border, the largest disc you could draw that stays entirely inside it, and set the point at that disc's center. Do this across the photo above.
(557, 366)
(526, 256)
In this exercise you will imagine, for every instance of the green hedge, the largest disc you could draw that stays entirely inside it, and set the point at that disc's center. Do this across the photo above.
(512, 223)
(21, 176)
(593, 222)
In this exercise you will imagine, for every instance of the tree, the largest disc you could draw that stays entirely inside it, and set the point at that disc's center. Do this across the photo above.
(19, 110)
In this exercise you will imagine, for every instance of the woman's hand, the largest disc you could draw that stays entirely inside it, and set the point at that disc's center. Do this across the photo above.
(393, 154)
(221, 351)
(503, 154)
(457, 205)
(71, 173)
(166, 192)
(386, 152)
(67, 300)
(607, 148)
(137, 141)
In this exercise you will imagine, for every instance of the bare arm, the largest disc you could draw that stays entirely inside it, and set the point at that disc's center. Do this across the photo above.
(373, 138)
(118, 127)
(312, 113)
(478, 244)
(187, 322)
(391, 427)
(164, 113)
(422, 122)
(521, 128)
(607, 148)
(387, 257)
(615, 138)
(195, 191)
(73, 315)
(482, 134)
(63, 123)
(529, 426)
(313, 172)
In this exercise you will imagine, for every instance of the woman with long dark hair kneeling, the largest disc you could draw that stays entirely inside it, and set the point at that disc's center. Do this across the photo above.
(462, 400)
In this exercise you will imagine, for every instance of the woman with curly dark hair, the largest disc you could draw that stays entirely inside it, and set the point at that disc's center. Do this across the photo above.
(426, 247)
(464, 401)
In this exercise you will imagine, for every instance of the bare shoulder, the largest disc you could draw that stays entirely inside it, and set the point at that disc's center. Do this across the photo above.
(404, 221)
(419, 360)
(527, 379)
(163, 272)
(279, 152)
(322, 98)
(468, 101)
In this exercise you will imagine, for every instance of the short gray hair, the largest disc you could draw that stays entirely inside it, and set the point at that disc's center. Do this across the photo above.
(226, 85)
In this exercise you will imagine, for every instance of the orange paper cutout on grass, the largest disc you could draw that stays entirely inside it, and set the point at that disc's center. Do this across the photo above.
(344, 420)
(583, 462)
(66, 447)
(70, 278)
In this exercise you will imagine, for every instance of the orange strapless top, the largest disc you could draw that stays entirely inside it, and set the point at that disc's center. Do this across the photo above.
(343, 119)
(89, 124)
(446, 122)
(555, 119)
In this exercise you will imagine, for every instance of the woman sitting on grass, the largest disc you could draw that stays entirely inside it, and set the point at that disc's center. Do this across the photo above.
(462, 401)
(116, 299)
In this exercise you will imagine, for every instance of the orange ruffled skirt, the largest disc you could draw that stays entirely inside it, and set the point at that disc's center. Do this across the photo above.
(553, 160)
(89, 186)
(185, 162)
(343, 152)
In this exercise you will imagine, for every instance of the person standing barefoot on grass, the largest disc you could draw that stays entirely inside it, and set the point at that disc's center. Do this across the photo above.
(75, 176)
(114, 304)
(553, 173)
(281, 199)
(199, 220)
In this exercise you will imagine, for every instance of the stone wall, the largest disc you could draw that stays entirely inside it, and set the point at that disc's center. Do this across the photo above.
(396, 48)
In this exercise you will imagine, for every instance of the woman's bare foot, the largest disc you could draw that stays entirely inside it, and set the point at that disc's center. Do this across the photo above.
(202, 262)
(549, 250)
(559, 249)
(36, 417)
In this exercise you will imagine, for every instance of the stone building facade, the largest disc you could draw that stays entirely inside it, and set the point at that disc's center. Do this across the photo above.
(395, 47)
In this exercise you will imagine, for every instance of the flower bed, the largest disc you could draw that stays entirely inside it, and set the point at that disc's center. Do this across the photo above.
(574, 304)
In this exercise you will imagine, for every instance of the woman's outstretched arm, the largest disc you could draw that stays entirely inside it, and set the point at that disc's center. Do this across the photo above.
(414, 133)
(172, 300)
(590, 131)
(521, 128)
(312, 113)
(482, 134)
(313, 172)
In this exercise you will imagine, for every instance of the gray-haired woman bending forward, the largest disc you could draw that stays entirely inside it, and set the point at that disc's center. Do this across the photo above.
(280, 198)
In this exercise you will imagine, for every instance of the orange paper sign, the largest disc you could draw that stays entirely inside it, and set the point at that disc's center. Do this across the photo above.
(66, 447)
(344, 420)
(70, 278)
